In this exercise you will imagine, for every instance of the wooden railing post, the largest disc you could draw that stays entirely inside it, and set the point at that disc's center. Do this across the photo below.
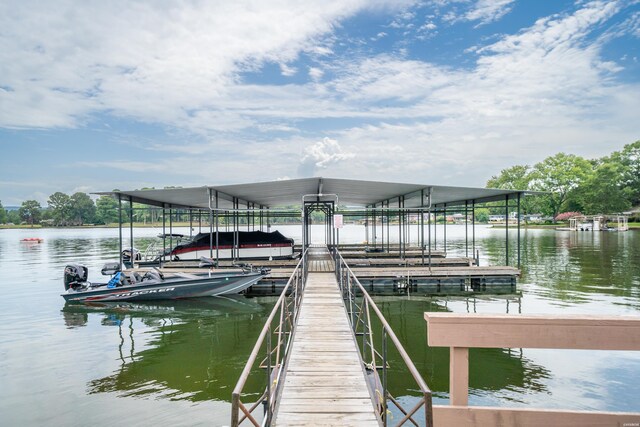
(459, 376)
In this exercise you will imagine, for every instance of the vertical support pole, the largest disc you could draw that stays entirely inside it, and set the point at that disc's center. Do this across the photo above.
(473, 227)
(506, 228)
(164, 234)
(384, 376)
(399, 227)
(519, 194)
(120, 227)
(466, 228)
(217, 232)
(445, 228)
(210, 225)
(132, 256)
(429, 230)
(435, 228)
(170, 229)
(268, 406)
(388, 225)
(190, 222)
(459, 376)
(366, 224)
(375, 225)
(422, 224)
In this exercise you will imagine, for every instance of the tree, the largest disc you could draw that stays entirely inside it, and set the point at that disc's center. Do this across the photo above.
(629, 159)
(106, 210)
(516, 178)
(61, 208)
(559, 176)
(13, 217)
(3, 214)
(30, 211)
(83, 210)
(513, 178)
(603, 191)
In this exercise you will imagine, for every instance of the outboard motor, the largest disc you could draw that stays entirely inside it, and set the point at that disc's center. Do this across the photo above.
(75, 276)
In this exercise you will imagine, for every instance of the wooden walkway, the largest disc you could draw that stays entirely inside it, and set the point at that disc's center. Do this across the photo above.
(325, 383)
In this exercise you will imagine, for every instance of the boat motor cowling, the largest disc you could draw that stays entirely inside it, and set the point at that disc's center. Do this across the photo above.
(75, 275)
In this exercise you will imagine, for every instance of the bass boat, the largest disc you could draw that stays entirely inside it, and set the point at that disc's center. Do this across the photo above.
(154, 285)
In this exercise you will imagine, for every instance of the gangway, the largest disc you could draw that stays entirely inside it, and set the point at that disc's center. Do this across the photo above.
(322, 368)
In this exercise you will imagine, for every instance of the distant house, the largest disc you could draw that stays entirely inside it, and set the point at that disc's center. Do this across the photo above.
(533, 218)
(496, 218)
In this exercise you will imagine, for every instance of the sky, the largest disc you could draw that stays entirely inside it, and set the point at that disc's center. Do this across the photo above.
(125, 94)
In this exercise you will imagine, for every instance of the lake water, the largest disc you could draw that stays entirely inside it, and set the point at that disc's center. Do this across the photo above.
(176, 363)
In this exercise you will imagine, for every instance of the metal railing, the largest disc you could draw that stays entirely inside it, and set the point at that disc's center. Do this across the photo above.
(276, 338)
(360, 318)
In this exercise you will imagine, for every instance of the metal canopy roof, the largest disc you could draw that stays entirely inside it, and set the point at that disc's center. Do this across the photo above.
(350, 193)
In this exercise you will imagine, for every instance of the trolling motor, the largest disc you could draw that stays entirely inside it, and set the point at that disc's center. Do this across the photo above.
(75, 276)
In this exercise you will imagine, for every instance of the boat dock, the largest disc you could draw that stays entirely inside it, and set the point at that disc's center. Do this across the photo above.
(324, 383)
(385, 273)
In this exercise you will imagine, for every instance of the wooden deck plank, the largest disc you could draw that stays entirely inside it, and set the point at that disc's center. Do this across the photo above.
(325, 382)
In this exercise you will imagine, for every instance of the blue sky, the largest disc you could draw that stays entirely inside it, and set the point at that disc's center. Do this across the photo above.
(127, 94)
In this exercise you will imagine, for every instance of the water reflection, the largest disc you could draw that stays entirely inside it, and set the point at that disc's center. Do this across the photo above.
(491, 369)
(573, 267)
(189, 350)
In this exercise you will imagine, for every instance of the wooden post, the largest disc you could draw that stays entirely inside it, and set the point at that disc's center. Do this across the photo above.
(459, 376)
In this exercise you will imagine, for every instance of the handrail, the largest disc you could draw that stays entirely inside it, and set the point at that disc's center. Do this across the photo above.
(288, 307)
(347, 280)
(460, 332)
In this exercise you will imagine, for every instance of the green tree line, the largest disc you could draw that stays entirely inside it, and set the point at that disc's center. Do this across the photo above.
(609, 184)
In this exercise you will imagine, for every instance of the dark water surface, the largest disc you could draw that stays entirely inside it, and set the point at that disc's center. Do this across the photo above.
(176, 363)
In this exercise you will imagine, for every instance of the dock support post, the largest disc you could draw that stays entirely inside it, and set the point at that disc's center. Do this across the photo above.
(170, 229)
(120, 226)
(429, 232)
(466, 228)
(473, 227)
(445, 228)
(132, 256)
(217, 232)
(164, 234)
(422, 225)
(459, 376)
(506, 227)
(366, 225)
(210, 226)
(435, 228)
(400, 227)
(519, 230)
(375, 227)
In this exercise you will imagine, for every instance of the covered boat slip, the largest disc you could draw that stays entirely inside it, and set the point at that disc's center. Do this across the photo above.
(386, 210)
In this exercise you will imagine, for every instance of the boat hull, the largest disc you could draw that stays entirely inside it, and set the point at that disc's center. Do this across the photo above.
(258, 252)
(172, 288)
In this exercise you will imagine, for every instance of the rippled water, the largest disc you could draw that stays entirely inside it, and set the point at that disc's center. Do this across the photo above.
(175, 363)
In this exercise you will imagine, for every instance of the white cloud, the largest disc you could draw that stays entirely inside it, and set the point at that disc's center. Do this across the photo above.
(287, 71)
(321, 155)
(487, 11)
(315, 73)
(62, 60)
